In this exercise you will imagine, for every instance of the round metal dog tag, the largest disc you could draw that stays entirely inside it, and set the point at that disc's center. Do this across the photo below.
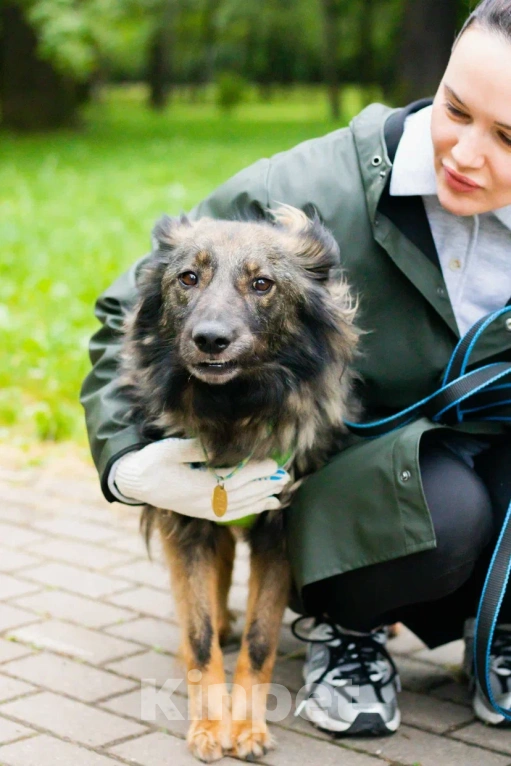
(219, 501)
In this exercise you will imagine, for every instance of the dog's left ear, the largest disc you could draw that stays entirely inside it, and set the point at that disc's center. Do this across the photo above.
(311, 242)
(166, 232)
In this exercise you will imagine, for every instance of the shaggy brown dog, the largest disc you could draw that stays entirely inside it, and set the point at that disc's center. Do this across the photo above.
(242, 337)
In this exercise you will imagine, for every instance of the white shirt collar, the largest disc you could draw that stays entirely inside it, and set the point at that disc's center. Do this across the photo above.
(413, 171)
(504, 215)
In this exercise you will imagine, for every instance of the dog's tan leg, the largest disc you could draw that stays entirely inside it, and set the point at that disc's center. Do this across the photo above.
(268, 596)
(195, 583)
(225, 559)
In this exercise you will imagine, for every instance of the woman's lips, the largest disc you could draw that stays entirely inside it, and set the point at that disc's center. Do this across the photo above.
(459, 183)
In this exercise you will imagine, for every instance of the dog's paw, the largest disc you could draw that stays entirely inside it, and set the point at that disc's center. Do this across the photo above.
(208, 740)
(250, 740)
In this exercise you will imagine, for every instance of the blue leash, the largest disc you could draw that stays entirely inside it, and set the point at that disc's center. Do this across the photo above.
(482, 394)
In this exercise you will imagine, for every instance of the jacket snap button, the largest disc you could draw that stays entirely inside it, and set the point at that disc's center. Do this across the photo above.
(405, 475)
(440, 291)
(376, 161)
(508, 324)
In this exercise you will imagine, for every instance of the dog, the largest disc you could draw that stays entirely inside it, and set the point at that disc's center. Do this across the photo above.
(243, 336)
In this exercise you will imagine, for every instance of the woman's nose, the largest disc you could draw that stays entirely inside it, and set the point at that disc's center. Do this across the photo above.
(468, 151)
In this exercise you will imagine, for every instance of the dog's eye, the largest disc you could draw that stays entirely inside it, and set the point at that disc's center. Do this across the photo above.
(262, 285)
(188, 279)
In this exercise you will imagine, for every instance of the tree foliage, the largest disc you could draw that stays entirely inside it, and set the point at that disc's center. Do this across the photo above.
(264, 40)
(383, 43)
(80, 36)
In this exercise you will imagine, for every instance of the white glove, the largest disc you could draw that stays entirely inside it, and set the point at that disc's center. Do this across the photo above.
(161, 475)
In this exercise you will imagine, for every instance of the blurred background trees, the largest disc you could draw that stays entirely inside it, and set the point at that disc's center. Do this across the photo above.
(56, 54)
(156, 103)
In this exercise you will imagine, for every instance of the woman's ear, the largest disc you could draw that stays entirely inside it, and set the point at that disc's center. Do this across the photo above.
(167, 232)
(310, 242)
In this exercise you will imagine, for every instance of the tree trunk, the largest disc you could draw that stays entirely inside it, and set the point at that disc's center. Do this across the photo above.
(33, 96)
(159, 64)
(367, 70)
(209, 40)
(157, 72)
(330, 38)
(428, 32)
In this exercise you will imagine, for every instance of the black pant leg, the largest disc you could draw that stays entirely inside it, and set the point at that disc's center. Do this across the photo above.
(442, 620)
(494, 468)
(461, 511)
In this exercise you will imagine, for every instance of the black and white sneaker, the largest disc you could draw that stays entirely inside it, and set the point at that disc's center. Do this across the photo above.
(500, 674)
(351, 681)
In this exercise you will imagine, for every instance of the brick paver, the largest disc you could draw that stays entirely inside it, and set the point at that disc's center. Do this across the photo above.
(9, 731)
(12, 617)
(70, 719)
(151, 664)
(12, 586)
(79, 554)
(155, 749)
(150, 632)
(69, 578)
(145, 600)
(88, 636)
(11, 687)
(48, 751)
(11, 651)
(11, 560)
(87, 612)
(82, 643)
(63, 675)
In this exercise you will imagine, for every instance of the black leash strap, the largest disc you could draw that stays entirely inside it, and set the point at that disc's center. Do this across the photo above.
(487, 615)
(483, 394)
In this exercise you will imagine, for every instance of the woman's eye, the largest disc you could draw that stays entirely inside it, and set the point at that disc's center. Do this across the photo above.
(188, 278)
(262, 285)
(505, 139)
(454, 111)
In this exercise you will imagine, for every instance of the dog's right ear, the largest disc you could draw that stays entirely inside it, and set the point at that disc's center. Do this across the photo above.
(312, 244)
(167, 232)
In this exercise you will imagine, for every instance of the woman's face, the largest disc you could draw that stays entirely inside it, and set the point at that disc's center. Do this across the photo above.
(471, 125)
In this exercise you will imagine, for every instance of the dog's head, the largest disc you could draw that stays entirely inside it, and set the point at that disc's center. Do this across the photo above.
(230, 297)
(235, 317)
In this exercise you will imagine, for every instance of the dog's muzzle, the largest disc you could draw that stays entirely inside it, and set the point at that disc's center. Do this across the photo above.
(212, 341)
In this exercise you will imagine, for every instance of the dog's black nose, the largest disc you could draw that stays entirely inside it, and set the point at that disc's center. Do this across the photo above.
(211, 337)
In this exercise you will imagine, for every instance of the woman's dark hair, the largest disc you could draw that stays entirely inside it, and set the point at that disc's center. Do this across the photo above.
(492, 15)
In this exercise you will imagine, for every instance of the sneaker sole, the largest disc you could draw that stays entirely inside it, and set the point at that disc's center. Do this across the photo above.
(490, 717)
(365, 724)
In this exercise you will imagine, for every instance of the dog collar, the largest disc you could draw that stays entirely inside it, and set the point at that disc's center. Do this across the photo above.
(247, 521)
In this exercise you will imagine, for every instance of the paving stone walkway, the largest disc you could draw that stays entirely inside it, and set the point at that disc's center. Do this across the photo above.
(84, 617)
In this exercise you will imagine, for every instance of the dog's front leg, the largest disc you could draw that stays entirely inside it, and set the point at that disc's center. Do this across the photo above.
(194, 575)
(269, 586)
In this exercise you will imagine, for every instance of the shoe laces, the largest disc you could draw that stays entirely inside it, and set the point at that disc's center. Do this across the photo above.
(501, 652)
(355, 659)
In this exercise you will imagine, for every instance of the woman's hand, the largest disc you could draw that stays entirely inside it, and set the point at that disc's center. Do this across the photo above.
(171, 474)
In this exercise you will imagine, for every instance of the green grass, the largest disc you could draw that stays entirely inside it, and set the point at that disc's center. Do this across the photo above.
(77, 208)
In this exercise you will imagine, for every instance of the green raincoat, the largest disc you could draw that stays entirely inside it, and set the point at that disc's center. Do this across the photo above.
(367, 505)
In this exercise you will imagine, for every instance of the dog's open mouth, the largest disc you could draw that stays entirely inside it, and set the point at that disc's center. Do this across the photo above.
(219, 371)
(216, 366)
